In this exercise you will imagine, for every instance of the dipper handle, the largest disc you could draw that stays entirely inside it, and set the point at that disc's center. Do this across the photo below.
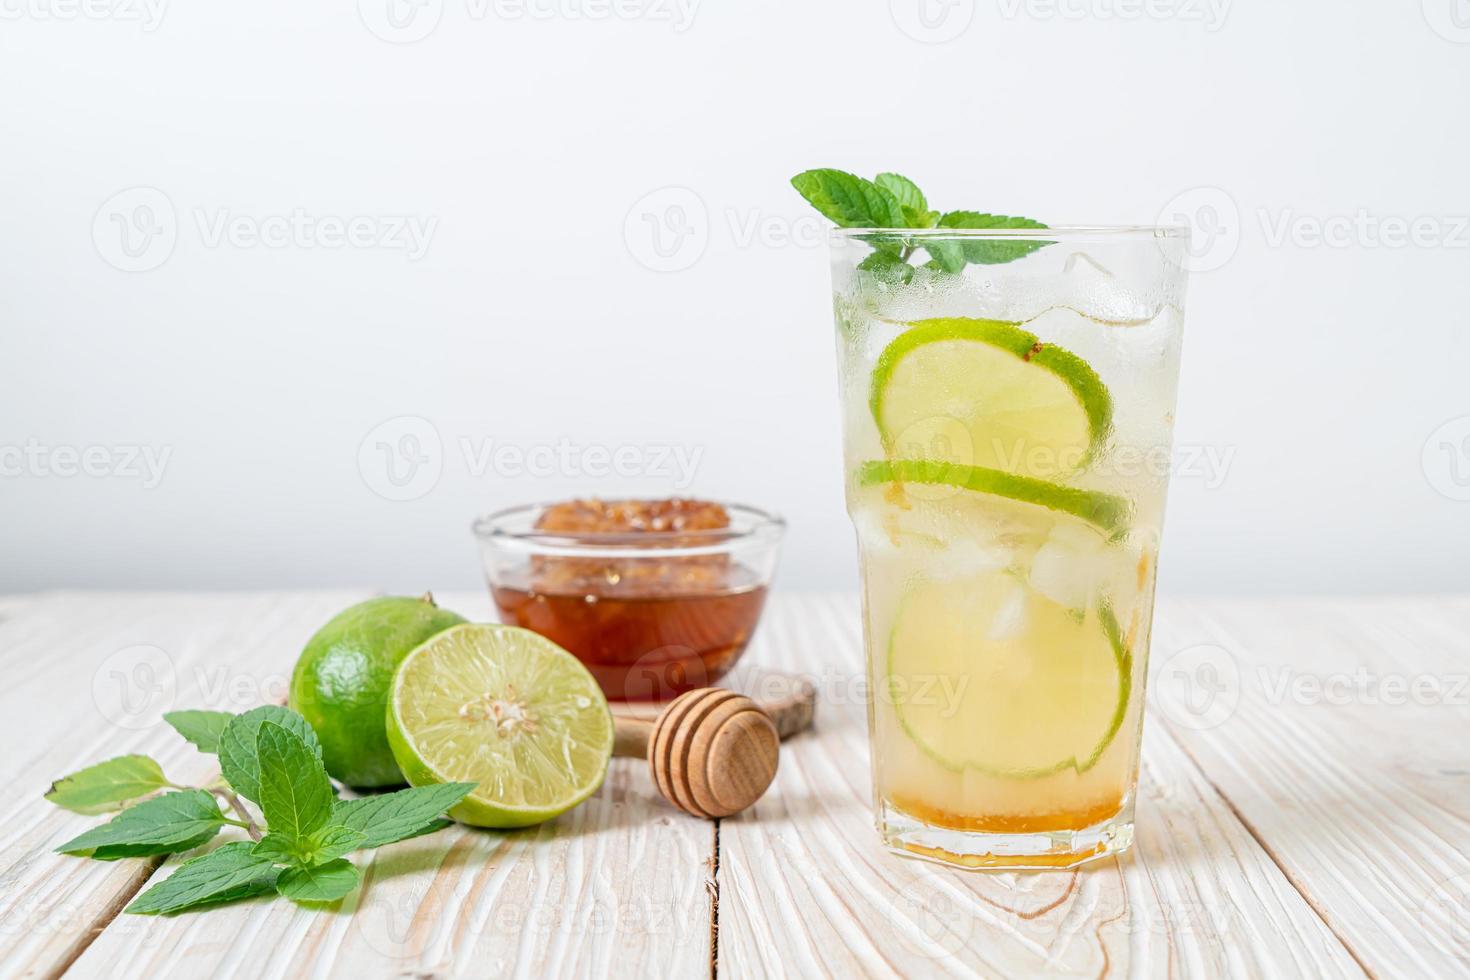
(631, 737)
(711, 752)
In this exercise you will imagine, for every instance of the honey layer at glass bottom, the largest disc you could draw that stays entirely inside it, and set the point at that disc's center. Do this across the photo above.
(1010, 823)
(1078, 844)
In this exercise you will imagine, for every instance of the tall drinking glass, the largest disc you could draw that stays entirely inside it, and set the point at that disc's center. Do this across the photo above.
(1008, 408)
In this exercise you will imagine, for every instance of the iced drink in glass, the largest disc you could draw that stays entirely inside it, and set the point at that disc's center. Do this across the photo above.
(1008, 415)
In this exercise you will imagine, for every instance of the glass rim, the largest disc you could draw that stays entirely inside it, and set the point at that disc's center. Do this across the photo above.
(1057, 232)
(749, 526)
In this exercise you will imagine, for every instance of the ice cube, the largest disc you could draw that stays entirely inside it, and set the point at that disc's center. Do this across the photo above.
(1075, 564)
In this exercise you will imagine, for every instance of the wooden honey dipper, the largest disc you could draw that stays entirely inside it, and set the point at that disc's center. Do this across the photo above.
(713, 752)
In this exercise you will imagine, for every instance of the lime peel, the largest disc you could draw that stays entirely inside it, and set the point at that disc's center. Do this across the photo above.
(341, 680)
(1105, 510)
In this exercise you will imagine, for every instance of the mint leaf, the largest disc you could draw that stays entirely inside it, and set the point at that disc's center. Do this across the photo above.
(263, 885)
(949, 256)
(319, 883)
(333, 842)
(230, 871)
(849, 200)
(295, 793)
(325, 845)
(921, 219)
(239, 759)
(974, 219)
(280, 849)
(893, 201)
(162, 825)
(887, 266)
(116, 852)
(395, 816)
(910, 198)
(107, 785)
(203, 728)
(432, 827)
(989, 252)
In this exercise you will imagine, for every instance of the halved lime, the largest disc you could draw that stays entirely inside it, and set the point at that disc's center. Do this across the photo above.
(504, 708)
(987, 674)
(1018, 404)
(1104, 510)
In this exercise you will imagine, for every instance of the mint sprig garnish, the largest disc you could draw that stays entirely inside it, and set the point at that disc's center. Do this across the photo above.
(849, 200)
(892, 201)
(300, 837)
(911, 201)
(987, 251)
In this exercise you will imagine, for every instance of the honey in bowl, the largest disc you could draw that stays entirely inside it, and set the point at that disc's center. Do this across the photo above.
(648, 626)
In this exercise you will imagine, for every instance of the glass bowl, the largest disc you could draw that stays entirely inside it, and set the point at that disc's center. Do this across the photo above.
(652, 613)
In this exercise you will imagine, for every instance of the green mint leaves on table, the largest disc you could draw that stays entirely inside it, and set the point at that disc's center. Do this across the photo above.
(109, 785)
(271, 757)
(165, 824)
(892, 201)
(295, 794)
(202, 728)
(228, 872)
(239, 749)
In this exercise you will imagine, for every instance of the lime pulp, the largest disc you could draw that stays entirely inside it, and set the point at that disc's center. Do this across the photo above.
(508, 710)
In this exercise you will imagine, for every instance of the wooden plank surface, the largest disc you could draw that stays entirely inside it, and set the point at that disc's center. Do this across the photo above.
(1285, 829)
(805, 889)
(88, 675)
(620, 885)
(1346, 751)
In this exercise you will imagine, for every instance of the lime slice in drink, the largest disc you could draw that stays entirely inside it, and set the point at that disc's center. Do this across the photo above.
(504, 708)
(1106, 511)
(987, 674)
(987, 393)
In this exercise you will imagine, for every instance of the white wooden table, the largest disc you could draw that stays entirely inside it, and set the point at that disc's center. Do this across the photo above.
(1304, 811)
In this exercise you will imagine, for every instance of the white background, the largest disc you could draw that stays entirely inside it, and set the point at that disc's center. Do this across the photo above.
(536, 142)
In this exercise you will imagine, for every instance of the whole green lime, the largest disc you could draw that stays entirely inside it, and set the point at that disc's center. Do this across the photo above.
(342, 678)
